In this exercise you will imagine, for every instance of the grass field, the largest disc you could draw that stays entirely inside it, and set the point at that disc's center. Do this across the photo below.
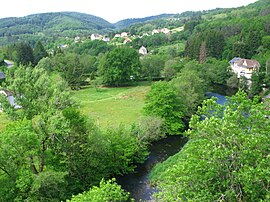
(112, 106)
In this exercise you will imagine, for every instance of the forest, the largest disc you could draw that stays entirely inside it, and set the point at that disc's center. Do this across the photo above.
(85, 113)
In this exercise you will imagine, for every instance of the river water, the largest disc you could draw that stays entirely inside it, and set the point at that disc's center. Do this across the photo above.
(138, 183)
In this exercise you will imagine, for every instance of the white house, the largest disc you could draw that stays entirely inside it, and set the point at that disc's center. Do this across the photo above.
(124, 34)
(244, 67)
(143, 50)
(106, 39)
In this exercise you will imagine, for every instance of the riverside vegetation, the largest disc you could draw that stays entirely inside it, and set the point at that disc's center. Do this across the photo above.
(70, 139)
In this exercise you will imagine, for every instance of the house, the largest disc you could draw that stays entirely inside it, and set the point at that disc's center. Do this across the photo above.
(76, 39)
(165, 30)
(127, 40)
(143, 50)
(117, 35)
(96, 37)
(8, 63)
(124, 34)
(106, 39)
(2, 76)
(155, 31)
(244, 67)
(10, 98)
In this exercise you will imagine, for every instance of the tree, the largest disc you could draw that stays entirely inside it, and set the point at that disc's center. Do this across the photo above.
(149, 129)
(205, 44)
(190, 90)
(203, 53)
(253, 41)
(22, 165)
(161, 101)
(107, 191)
(256, 84)
(119, 66)
(71, 69)
(24, 54)
(151, 66)
(39, 52)
(227, 156)
(37, 92)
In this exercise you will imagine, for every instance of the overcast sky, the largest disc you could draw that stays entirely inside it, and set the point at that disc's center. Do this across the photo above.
(114, 10)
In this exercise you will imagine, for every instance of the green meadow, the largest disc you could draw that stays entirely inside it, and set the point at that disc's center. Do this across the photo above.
(112, 106)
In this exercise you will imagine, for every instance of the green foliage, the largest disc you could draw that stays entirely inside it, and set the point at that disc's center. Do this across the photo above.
(107, 191)
(23, 54)
(46, 26)
(39, 52)
(72, 68)
(119, 66)
(151, 66)
(149, 129)
(190, 90)
(48, 186)
(94, 48)
(37, 92)
(123, 151)
(206, 44)
(226, 157)
(162, 101)
(266, 42)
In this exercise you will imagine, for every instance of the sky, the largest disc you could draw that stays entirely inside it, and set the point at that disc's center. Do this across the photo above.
(114, 10)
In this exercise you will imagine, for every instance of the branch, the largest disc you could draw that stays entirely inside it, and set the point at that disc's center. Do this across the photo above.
(5, 171)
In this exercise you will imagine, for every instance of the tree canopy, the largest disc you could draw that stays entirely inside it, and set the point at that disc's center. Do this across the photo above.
(120, 66)
(226, 158)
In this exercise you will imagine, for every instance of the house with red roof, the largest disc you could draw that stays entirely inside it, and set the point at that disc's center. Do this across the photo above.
(244, 67)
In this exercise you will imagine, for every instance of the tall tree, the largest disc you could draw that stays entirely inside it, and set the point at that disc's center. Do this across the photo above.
(162, 101)
(120, 65)
(24, 54)
(39, 52)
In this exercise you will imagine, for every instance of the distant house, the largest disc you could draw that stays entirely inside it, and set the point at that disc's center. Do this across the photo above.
(127, 40)
(10, 98)
(143, 50)
(96, 37)
(155, 31)
(165, 30)
(62, 46)
(124, 34)
(76, 39)
(244, 67)
(106, 39)
(117, 35)
(8, 63)
(93, 37)
(2, 76)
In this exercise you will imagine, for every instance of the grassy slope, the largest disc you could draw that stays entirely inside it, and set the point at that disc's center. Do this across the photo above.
(112, 106)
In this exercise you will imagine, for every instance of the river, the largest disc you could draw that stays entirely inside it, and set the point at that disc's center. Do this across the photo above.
(138, 183)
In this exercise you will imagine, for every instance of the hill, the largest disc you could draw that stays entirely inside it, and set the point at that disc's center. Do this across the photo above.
(50, 24)
(122, 24)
